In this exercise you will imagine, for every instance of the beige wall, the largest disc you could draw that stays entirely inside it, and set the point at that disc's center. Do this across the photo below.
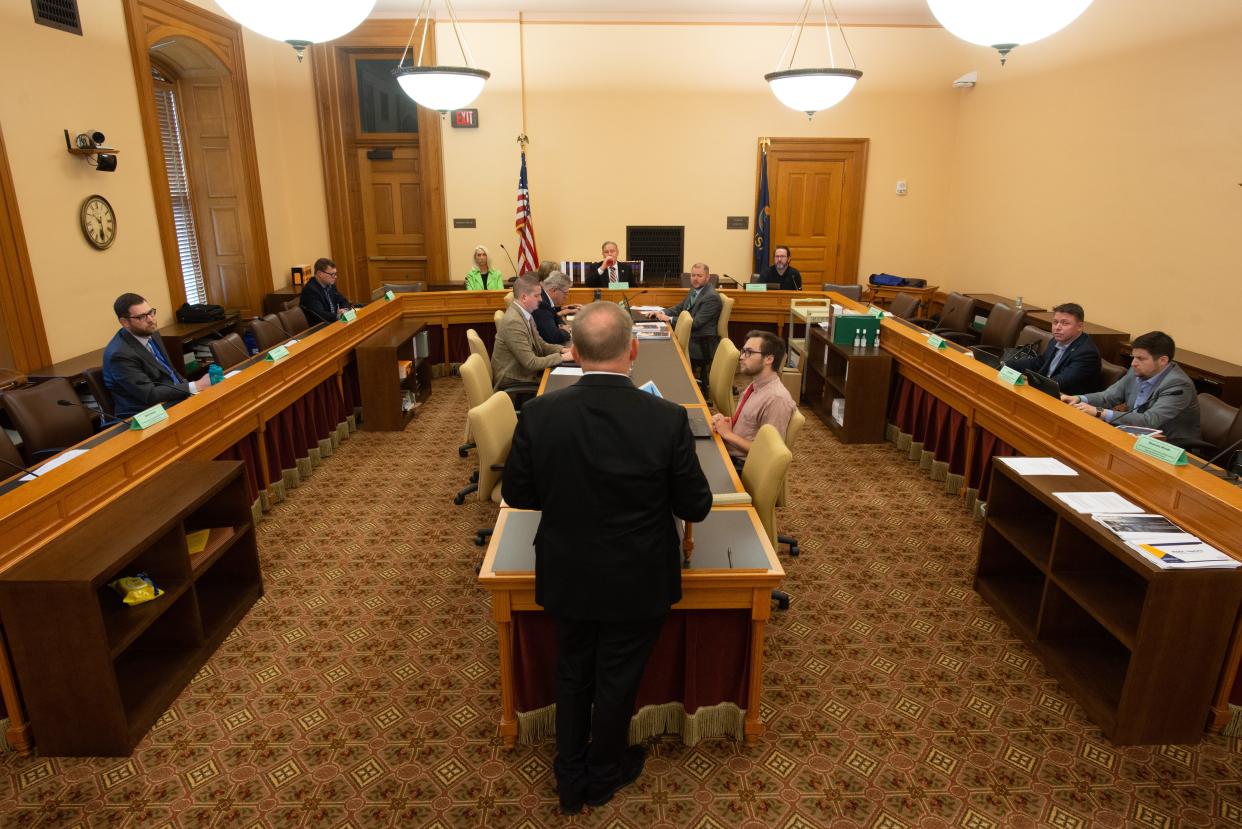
(56, 81)
(1113, 182)
(666, 134)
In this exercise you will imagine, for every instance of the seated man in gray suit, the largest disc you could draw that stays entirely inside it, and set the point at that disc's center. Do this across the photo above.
(136, 368)
(1156, 391)
(520, 354)
(702, 303)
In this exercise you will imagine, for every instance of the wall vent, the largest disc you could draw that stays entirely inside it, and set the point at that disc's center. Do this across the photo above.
(59, 14)
(660, 248)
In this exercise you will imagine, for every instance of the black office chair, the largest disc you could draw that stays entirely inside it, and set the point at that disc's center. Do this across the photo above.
(851, 291)
(45, 426)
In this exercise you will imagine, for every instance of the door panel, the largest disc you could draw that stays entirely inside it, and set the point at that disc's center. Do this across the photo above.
(807, 217)
(392, 197)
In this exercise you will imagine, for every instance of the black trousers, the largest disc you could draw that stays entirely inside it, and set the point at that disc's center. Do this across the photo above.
(598, 666)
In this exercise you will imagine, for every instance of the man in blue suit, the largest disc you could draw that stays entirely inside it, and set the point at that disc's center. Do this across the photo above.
(137, 369)
(1072, 358)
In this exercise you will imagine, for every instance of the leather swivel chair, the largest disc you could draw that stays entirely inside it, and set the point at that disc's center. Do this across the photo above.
(10, 457)
(712, 279)
(721, 376)
(1000, 331)
(99, 390)
(1110, 373)
(476, 378)
(45, 426)
(849, 291)
(228, 351)
(267, 332)
(296, 302)
(726, 313)
(763, 476)
(492, 424)
(294, 320)
(905, 306)
(1030, 334)
(958, 314)
(398, 288)
(681, 331)
(1220, 426)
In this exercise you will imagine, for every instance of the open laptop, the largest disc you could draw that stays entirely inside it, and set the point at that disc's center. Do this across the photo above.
(986, 357)
(1045, 384)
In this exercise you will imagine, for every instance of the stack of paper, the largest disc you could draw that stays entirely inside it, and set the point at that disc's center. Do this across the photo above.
(1037, 466)
(1164, 543)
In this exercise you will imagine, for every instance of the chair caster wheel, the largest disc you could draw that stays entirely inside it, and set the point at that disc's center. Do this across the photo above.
(459, 499)
(783, 603)
(793, 550)
(463, 452)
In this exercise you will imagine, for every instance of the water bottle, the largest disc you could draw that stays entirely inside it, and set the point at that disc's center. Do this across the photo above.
(215, 373)
(1019, 302)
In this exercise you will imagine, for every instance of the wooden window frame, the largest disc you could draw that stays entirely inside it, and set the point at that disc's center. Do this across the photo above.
(19, 299)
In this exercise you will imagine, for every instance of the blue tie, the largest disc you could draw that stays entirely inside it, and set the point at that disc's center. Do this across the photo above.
(159, 357)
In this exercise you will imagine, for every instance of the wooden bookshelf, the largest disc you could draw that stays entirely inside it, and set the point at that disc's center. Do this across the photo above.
(1139, 647)
(857, 376)
(384, 390)
(96, 681)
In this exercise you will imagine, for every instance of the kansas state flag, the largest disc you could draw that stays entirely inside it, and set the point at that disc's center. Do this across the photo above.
(763, 229)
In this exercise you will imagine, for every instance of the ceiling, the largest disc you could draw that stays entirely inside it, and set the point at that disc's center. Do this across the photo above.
(888, 12)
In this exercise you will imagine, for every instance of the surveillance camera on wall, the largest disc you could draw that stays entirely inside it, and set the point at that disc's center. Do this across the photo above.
(967, 81)
(90, 145)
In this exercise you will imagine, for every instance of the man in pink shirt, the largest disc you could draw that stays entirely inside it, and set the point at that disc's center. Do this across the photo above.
(765, 400)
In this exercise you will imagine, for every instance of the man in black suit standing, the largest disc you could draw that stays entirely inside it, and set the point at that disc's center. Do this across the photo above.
(137, 369)
(599, 274)
(1072, 358)
(782, 275)
(320, 300)
(610, 466)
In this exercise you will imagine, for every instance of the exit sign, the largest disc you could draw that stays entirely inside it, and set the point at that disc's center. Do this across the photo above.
(465, 118)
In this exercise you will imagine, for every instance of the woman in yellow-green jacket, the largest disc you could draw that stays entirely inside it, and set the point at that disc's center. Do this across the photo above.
(483, 276)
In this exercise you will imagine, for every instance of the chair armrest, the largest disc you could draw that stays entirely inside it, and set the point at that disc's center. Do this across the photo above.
(959, 337)
(923, 322)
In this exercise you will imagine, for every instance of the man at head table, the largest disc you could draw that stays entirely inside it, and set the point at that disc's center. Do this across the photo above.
(136, 368)
(1156, 392)
(609, 269)
(1072, 358)
(320, 300)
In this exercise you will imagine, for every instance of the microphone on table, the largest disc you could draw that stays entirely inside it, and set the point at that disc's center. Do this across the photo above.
(106, 417)
(511, 262)
(627, 302)
(1232, 468)
(19, 468)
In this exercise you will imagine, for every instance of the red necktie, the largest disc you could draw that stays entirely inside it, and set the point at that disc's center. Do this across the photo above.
(745, 396)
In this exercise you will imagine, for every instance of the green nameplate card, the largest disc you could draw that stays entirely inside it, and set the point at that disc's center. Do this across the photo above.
(876, 312)
(936, 342)
(756, 286)
(389, 296)
(148, 417)
(1011, 376)
(1161, 450)
(279, 352)
(618, 286)
(349, 315)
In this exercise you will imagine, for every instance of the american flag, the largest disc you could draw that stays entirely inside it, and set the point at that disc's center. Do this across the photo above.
(528, 257)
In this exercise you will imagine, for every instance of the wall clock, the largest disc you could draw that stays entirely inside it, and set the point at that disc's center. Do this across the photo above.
(98, 222)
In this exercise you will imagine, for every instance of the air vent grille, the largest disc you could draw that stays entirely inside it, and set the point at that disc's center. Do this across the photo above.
(59, 14)
(660, 248)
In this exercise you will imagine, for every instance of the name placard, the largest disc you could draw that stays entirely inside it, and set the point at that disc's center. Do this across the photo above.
(389, 296)
(756, 286)
(279, 352)
(1011, 376)
(935, 341)
(878, 313)
(349, 315)
(618, 286)
(148, 417)
(1160, 450)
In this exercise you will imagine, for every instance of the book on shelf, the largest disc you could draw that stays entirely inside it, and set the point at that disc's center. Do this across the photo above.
(1144, 528)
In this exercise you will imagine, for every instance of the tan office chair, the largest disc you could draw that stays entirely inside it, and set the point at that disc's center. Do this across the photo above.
(1110, 373)
(492, 424)
(681, 331)
(294, 320)
(228, 351)
(904, 306)
(267, 332)
(11, 457)
(726, 312)
(763, 476)
(508, 299)
(720, 378)
(46, 427)
(477, 346)
(851, 291)
(497, 317)
(478, 384)
(99, 390)
(796, 422)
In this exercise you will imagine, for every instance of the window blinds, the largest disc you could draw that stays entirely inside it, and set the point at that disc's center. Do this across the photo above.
(179, 191)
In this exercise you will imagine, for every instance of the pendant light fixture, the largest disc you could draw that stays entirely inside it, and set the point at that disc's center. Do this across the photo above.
(441, 88)
(810, 90)
(1005, 24)
(299, 22)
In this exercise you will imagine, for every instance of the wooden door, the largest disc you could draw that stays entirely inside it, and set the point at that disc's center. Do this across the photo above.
(392, 211)
(221, 210)
(816, 189)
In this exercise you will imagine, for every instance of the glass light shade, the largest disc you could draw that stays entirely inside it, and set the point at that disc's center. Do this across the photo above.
(1004, 24)
(442, 88)
(810, 90)
(299, 22)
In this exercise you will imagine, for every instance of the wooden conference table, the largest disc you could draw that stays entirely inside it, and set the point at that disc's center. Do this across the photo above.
(708, 663)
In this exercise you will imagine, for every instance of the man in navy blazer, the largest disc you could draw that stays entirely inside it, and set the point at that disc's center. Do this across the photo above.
(611, 467)
(137, 369)
(320, 300)
(1072, 358)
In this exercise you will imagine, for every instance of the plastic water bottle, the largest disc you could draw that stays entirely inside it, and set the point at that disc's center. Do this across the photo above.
(215, 373)
(1018, 302)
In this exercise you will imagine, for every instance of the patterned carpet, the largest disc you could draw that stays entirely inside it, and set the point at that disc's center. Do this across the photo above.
(362, 690)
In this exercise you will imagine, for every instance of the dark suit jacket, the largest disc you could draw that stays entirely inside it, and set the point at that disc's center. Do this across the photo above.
(547, 323)
(1077, 373)
(594, 279)
(791, 281)
(130, 373)
(317, 302)
(610, 466)
(706, 313)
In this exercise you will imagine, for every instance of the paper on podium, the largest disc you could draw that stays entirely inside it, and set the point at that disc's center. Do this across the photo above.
(568, 371)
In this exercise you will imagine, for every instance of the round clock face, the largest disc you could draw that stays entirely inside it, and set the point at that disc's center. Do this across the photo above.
(98, 222)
